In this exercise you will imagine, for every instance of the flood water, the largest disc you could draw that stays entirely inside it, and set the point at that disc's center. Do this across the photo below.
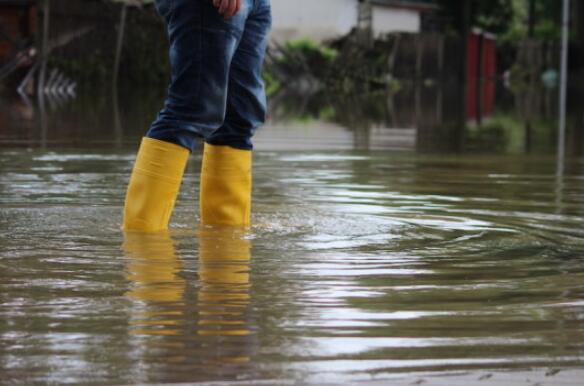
(369, 258)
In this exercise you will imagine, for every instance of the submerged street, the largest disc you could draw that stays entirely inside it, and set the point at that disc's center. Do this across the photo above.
(361, 265)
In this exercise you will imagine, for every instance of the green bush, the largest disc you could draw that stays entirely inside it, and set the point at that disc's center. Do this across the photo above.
(311, 49)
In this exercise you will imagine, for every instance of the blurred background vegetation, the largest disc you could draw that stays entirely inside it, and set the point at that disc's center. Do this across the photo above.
(91, 58)
(419, 79)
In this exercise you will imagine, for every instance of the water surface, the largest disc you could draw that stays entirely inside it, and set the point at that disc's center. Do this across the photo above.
(360, 265)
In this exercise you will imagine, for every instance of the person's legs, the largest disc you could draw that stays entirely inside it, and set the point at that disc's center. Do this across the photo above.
(202, 45)
(246, 99)
(226, 173)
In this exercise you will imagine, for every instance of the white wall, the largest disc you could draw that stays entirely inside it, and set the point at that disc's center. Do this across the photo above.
(326, 19)
(316, 19)
(394, 20)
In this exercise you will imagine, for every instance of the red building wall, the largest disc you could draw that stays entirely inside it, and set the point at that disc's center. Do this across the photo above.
(481, 73)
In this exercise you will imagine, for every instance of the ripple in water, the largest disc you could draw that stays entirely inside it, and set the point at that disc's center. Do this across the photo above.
(358, 267)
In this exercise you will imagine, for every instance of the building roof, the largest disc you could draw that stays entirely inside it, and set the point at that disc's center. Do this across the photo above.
(420, 5)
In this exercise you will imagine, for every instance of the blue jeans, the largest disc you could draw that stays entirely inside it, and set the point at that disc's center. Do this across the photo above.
(216, 91)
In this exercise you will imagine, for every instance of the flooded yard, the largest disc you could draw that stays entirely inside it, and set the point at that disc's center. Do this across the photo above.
(370, 259)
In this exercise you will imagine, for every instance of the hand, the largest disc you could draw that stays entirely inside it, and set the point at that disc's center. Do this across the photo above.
(227, 8)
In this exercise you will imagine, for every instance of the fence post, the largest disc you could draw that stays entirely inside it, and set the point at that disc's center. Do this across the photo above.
(120, 43)
(44, 47)
(563, 84)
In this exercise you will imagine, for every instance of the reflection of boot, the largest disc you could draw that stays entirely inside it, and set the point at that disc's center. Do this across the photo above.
(154, 185)
(153, 270)
(224, 274)
(225, 186)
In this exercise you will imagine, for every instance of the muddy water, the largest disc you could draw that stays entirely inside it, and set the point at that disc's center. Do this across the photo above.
(360, 265)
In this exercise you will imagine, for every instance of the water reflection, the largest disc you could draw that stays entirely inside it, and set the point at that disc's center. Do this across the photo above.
(208, 327)
(365, 264)
(154, 269)
(225, 282)
(434, 118)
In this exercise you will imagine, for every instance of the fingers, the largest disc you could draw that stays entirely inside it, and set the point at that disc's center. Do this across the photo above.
(231, 9)
(227, 8)
(223, 4)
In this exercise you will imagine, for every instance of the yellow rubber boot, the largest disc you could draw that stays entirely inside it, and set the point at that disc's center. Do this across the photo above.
(154, 185)
(225, 186)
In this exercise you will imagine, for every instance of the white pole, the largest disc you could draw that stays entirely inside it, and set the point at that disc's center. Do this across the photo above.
(563, 82)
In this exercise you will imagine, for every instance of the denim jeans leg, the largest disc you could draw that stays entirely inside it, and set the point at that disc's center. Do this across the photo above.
(246, 99)
(202, 45)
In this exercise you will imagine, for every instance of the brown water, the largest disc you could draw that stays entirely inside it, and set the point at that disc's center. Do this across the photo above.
(360, 265)
(392, 237)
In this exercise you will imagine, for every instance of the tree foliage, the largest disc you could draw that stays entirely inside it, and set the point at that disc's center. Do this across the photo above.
(508, 19)
(492, 15)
